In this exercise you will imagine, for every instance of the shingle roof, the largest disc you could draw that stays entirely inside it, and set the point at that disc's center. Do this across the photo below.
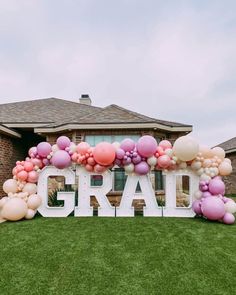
(56, 112)
(228, 145)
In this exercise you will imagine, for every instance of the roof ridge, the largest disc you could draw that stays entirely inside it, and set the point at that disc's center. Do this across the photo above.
(129, 111)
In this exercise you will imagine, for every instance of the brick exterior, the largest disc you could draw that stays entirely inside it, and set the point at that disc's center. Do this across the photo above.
(11, 151)
(230, 180)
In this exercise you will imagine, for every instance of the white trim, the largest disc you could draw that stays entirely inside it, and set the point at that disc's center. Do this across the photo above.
(9, 132)
(230, 151)
(112, 126)
(25, 125)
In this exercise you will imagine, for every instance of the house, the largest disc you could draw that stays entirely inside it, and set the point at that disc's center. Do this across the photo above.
(25, 124)
(230, 149)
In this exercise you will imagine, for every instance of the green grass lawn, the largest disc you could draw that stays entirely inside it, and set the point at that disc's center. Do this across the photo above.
(117, 256)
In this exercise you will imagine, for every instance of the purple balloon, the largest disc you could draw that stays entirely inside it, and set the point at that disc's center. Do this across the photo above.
(213, 208)
(127, 145)
(126, 161)
(120, 154)
(206, 194)
(117, 162)
(216, 186)
(142, 168)
(63, 142)
(44, 149)
(136, 159)
(228, 218)
(146, 146)
(196, 206)
(61, 159)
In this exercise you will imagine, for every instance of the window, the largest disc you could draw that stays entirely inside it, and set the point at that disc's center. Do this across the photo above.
(119, 179)
(182, 191)
(95, 139)
(96, 180)
(159, 183)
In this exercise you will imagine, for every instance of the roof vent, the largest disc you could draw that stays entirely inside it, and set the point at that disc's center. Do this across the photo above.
(85, 99)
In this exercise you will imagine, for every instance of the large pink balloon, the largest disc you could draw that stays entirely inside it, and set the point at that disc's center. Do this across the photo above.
(44, 149)
(61, 159)
(216, 186)
(63, 142)
(213, 208)
(147, 146)
(142, 168)
(104, 153)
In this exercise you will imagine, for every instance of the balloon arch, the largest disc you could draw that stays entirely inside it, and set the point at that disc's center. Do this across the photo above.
(138, 158)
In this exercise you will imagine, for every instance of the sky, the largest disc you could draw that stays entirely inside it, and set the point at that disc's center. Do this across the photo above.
(173, 60)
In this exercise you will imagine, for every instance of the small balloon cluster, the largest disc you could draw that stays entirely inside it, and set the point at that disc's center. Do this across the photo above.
(135, 157)
(211, 203)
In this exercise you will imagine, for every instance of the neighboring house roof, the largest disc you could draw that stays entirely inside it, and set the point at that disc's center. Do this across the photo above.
(7, 131)
(53, 114)
(229, 146)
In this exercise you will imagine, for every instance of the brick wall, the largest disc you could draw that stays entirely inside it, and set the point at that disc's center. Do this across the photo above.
(230, 180)
(11, 150)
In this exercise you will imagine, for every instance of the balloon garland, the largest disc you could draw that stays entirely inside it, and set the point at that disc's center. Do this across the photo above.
(140, 158)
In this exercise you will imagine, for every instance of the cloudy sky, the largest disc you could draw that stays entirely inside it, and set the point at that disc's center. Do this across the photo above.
(172, 59)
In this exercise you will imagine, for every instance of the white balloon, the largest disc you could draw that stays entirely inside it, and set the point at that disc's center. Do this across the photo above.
(230, 207)
(129, 168)
(30, 188)
(198, 195)
(205, 177)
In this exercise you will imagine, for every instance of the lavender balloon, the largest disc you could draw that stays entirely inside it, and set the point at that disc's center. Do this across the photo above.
(213, 208)
(206, 194)
(44, 149)
(63, 142)
(216, 186)
(61, 159)
(228, 218)
(147, 146)
(196, 206)
(120, 153)
(136, 159)
(127, 145)
(142, 168)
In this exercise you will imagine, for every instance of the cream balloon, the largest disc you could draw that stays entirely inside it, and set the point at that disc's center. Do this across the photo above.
(30, 188)
(30, 214)
(55, 148)
(205, 151)
(186, 148)
(230, 207)
(198, 195)
(3, 201)
(196, 165)
(152, 161)
(10, 186)
(225, 168)
(14, 209)
(34, 201)
(129, 168)
(219, 152)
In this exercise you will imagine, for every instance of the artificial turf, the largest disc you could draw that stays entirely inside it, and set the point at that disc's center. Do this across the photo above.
(117, 256)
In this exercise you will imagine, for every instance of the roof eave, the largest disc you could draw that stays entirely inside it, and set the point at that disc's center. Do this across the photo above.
(112, 126)
(6, 131)
(230, 151)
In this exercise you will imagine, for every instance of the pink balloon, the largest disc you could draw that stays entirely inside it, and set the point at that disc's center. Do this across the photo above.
(104, 153)
(82, 148)
(32, 151)
(142, 168)
(196, 206)
(37, 162)
(22, 175)
(61, 159)
(89, 168)
(136, 159)
(165, 144)
(120, 153)
(32, 177)
(206, 194)
(160, 151)
(216, 186)
(127, 145)
(228, 218)
(147, 146)
(28, 166)
(213, 208)
(91, 161)
(99, 169)
(164, 161)
(44, 149)
(63, 142)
